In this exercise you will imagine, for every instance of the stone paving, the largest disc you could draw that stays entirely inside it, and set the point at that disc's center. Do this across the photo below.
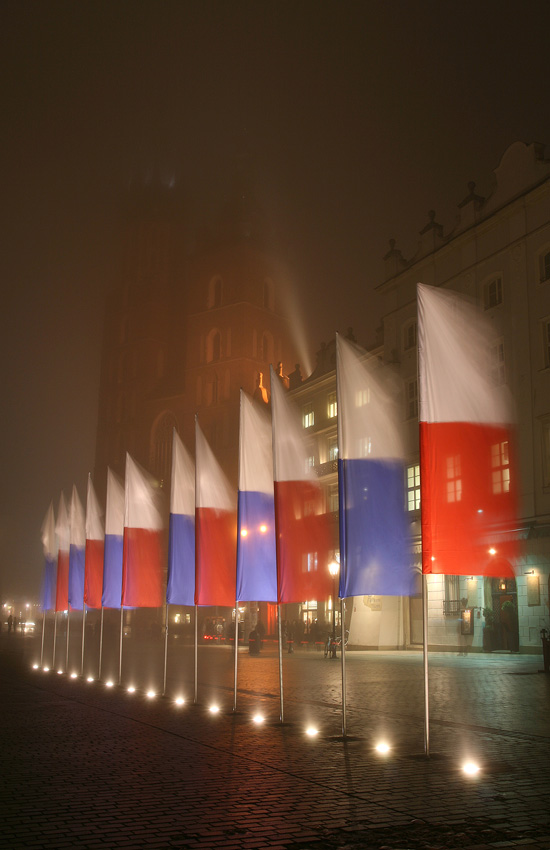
(91, 767)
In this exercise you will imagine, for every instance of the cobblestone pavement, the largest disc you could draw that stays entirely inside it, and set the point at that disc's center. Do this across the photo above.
(95, 767)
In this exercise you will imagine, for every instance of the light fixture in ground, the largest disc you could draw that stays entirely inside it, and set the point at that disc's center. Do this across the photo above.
(35, 666)
(60, 672)
(73, 675)
(470, 768)
(214, 709)
(311, 731)
(46, 669)
(109, 684)
(151, 694)
(90, 679)
(131, 689)
(382, 747)
(258, 718)
(179, 700)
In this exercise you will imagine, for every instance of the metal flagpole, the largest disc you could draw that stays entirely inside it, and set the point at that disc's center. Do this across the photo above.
(343, 656)
(196, 652)
(100, 645)
(120, 654)
(83, 637)
(165, 650)
(282, 715)
(68, 633)
(236, 653)
(43, 631)
(425, 658)
(54, 639)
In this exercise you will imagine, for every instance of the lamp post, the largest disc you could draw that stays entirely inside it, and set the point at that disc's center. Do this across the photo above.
(333, 569)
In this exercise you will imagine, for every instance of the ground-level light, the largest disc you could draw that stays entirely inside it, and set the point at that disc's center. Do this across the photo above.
(258, 719)
(35, 666)
(73, 675)
(131, 689)
(382, 748)
(470, 768)
(151, 694)
(179, 700)
(109, 684)
(90, 679)
(311, 731)
(214, 709)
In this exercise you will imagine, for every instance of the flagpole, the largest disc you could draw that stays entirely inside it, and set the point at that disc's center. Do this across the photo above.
(343, 659)
(83, 637)
(425, 660)
(236, 653)
(165, 650)
(282, 714)
(196, 652)
(120, 653)
(68, 634)
(43, 631)
(54, 639)
(100, 645)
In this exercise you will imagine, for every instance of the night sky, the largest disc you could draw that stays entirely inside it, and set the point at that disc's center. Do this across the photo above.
(357, 119)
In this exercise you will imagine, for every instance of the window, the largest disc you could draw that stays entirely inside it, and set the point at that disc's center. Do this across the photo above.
(308, 417)
(332, 407)
(413, 487)
(266, 350)
(454, 481)
(492, 293)
(215, 290)
(362, 397)
(213, 346)
(497, 362)
(333, 448)
(333, 498)
(310, 462)
(161, 447)
(544, 265)
(500, 463)
(412, 399)
(365, 446)
(409, 336)
(546, 452)
(451, 603)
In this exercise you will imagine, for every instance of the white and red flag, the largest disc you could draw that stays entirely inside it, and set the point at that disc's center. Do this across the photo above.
(468, 473)
(142, 562)
(95, 544)
(302, 530)
(215, 529)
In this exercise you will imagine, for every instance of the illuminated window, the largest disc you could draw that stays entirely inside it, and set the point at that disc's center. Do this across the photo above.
(544, 266)
(310, 462)
(362, 397)
(454, 481)
(333, 498)
(365, 446)
(412, 399)
(409, 336)
(500, 463)
(498, 362)
(492, 293)
(309, 562)
(333, 448)
(332, 408)
(213, 346)
(413, 487)
(308, 417)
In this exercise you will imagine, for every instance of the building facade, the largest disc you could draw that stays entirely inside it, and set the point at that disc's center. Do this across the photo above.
(498, 254)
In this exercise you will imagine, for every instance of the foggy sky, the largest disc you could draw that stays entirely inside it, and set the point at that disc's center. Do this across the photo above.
(358, 118)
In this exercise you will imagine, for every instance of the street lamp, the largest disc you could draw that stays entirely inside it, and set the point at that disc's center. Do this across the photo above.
(334, 569)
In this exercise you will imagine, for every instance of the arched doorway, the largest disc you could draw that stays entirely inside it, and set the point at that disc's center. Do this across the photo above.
(505, 609)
